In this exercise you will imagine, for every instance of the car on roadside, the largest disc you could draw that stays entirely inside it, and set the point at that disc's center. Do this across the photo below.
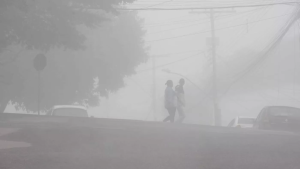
(242, 122)
(279, 118)
(68, 111)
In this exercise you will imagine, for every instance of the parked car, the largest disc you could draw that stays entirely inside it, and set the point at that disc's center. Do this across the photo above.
(242, 122)
(281, 118)
(69, 111)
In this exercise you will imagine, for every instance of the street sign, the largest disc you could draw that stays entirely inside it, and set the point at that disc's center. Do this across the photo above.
(40, 62)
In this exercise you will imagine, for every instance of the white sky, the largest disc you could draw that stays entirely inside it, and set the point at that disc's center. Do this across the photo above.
(134, 101)
(163, 28)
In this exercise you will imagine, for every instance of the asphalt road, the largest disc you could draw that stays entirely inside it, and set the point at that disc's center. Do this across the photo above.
(63, 143)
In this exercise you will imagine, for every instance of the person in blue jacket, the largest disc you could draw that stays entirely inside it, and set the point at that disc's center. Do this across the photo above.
(180, 100)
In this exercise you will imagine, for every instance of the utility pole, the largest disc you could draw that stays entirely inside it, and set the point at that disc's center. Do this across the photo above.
(217, 113)
(154, 87)
(39, 63)
(39, 92)
(154, 83)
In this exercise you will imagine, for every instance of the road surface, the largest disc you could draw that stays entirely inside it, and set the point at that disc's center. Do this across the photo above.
(63, 143)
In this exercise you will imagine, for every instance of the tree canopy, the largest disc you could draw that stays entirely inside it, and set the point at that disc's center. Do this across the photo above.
(42, 24)
(89, 52)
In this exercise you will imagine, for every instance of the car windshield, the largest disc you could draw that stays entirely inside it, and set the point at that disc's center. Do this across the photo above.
(70, 112)
(284, 111)
(245, 121)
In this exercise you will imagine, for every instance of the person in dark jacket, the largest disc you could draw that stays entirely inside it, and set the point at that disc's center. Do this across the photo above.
(170, 101)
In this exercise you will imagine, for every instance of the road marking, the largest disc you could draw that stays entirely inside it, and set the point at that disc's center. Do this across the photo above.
(11, 144)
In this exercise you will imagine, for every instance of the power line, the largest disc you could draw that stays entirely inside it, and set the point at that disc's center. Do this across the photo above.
(239, 74)
(142, 89)
(172, 20)
(168, 54)
(189, 1)
(268, 49)
(187, 21)
(171, 62)
(173, 23)
(241, 34)
(159, 4)
(196, 33)
(181, 3)
(218, 7)
(207, 21)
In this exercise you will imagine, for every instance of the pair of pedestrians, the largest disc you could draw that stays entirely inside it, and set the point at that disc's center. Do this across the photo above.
(174, 100)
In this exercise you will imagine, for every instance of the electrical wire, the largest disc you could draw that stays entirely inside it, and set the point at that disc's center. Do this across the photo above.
(174, 54)
(194, 3)
(197, 33)
(216, 7)
(240, 35)
(239, 74)
(196, 24)
(196, 20)
(159, 66)
(142, 89)
(268, 49)
(158, 4)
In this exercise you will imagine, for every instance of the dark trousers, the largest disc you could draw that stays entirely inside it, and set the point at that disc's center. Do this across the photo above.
(171, 117)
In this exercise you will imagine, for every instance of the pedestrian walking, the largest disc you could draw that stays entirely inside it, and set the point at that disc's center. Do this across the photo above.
(180, 100)
(170, 101)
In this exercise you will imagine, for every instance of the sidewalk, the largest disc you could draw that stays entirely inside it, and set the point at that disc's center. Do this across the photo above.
(10, 144)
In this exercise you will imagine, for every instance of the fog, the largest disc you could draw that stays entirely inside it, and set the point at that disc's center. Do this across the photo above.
(149, 84)
(177, 41)
(237, 48)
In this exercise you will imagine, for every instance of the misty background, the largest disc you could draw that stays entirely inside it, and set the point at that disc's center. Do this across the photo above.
(178, 42)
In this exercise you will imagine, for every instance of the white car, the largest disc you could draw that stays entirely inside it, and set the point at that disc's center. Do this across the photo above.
(242, 122)
(68, 111)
